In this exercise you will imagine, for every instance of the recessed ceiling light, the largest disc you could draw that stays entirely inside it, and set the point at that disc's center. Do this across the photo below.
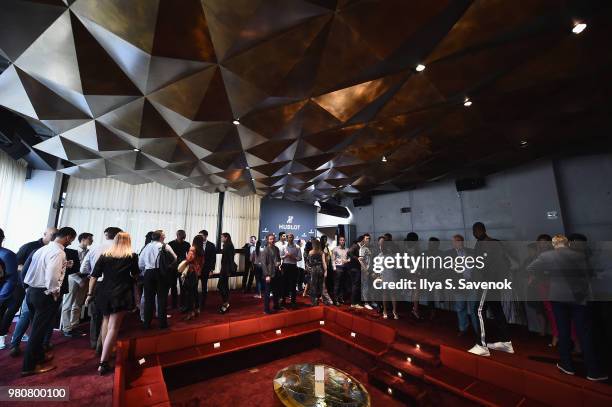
(384, 159)
(248, 168)
(288, 173)
(420, 68)
(467, 102)
(137, 150)
(236, 122)
(578, 28)
(523, 142)
(252, 179)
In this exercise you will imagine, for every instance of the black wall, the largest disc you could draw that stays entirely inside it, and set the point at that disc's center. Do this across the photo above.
(288, 216)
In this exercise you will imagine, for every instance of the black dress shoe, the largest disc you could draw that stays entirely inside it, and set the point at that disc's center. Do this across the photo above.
(37, 370)
(15, 351)
(104, 368)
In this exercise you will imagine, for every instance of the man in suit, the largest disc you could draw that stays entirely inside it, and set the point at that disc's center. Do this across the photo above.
(210, 261)
(569, 291)
(270, 264)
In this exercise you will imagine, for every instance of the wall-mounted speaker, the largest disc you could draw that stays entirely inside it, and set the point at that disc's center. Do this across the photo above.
(362, 201)
(467, 184)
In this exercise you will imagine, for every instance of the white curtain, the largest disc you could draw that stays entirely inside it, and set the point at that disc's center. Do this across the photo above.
(240, 220)
(93, 205)
(12, 180)
(241, 217)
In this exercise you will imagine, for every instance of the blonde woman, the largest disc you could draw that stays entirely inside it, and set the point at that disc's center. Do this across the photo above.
(119, 267)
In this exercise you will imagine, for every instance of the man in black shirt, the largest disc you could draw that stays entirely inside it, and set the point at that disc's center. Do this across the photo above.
(180, 248)
(19, 292)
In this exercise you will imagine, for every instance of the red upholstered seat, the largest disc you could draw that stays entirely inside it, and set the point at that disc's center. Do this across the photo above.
(344, 319)
(382, 333)
(176, 340)
(147, 395)
(212, 333)
(595, 399)
(136, 377)
(244, 327)
(491, 395)
(178, 357)
(297, 317)
(368, 344)
(449, 379)
(273, 322)
(459, 360)
(304, 328)
(550, 391)
(330, 313)
(501, 375)
(317, 313)
(146, 345)
(334, 329)
(362, 326)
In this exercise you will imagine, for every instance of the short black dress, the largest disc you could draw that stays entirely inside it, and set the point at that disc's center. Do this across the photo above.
(115, 292)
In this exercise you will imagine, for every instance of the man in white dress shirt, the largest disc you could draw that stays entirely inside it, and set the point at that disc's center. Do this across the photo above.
(155, 284)
(87, 266)
(44, 280)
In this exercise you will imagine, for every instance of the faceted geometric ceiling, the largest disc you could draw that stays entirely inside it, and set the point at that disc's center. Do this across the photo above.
(304, 99)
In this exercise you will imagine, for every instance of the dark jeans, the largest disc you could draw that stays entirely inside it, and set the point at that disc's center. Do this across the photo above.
(259, 280)
(204, 294)
(223, 286)
(190, 292)
(55, 322)
(12, 308)
(247, 278)
(155, 285)
(174, 290)
(43, 308)
(580, 315)
(301, 279)
(339, 278)
(355, 274)
(95, 323)
(270, 287)
(290, 272)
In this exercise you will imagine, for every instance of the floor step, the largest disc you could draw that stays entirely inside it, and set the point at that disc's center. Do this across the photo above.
(398, 388)
(424, 344)
(395, 363)
(418, 355)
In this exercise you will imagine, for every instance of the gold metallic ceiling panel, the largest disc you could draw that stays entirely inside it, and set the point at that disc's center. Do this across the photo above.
(303, 99)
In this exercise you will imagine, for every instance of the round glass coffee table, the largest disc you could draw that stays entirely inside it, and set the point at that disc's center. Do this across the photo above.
(295, 386)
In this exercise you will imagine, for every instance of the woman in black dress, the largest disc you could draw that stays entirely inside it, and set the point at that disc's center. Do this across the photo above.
(317, 266)
(119, 268)
(227, 268)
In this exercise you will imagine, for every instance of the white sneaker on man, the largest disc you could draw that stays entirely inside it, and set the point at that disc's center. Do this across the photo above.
(2, 344)
(480, 350)
(368, 306)
(501, 346)
(356, 306)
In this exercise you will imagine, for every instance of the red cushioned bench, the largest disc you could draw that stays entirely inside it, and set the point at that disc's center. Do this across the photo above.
(143, 384)
(492, 383)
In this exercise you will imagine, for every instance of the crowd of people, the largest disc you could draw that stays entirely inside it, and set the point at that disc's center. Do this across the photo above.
(47, 281)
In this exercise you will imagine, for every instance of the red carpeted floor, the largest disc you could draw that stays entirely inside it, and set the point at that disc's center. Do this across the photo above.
(76, 363)
(253, 387)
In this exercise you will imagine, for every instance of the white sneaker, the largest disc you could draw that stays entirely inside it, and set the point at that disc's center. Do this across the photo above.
(25, 338)
(356, 306)
(385, 316)
(479, 350)
(368, 306)
(501, 346)
(2, 344)
(395, 316)
(597, 379)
